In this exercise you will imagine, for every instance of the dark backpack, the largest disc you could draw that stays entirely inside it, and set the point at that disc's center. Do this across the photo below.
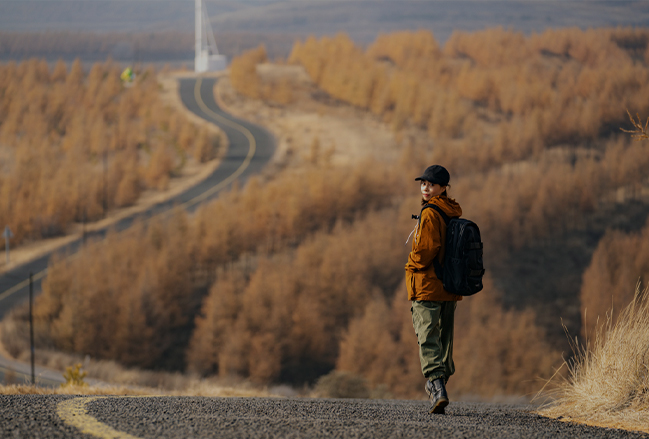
(462, 270)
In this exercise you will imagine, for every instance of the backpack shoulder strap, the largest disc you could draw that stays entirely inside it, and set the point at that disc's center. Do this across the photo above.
(439, 210)
(445, 217)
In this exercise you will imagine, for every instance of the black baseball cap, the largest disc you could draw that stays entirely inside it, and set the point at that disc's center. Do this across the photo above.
(436, 174)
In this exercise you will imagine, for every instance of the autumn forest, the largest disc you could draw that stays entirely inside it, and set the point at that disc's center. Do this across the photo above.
(302, 273)
(74, 145)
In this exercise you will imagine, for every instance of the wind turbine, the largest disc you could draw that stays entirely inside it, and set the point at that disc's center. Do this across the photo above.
(207, 54)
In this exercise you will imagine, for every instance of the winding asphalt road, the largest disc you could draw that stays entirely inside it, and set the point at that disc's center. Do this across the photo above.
(250, 148)
(201, 417)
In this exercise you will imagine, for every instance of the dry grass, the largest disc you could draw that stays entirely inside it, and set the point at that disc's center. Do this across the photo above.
(26, 389)
(344, 134)
(105, 377)
(196, 389)
(608, 382)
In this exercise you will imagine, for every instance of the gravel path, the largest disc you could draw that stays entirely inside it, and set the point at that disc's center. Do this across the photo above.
(37, 416)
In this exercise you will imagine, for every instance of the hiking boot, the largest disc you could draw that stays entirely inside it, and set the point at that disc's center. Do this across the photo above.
(437, 394)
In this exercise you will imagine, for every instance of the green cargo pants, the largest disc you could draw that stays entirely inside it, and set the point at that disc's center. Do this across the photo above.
(433, 323)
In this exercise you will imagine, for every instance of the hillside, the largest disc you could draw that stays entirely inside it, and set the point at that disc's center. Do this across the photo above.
(75, 145)
(530, 117)
(302, 274)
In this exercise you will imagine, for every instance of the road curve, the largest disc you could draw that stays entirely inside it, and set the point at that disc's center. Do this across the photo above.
(201, 417)
(250, 149)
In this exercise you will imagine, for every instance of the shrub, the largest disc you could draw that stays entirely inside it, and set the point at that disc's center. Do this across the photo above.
(74, 377)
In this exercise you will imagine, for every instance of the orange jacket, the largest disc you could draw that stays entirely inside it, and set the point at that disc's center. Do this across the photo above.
(429, 243)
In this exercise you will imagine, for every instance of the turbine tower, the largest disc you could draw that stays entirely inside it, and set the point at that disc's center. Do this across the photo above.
(207, 54)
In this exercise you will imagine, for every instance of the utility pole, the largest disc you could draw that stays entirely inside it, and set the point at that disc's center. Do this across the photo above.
(31, 325)
(105, 203)
(7, 235)
(83, 227)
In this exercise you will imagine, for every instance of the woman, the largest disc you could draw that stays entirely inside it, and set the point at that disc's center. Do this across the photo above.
(433, 308)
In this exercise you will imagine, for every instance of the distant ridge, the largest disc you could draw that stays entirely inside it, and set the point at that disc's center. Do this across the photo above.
(362, 20)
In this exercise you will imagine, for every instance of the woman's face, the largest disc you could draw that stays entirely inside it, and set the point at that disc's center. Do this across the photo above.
(430, 190)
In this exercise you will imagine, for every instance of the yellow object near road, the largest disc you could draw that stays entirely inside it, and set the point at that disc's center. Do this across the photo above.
(127, 75)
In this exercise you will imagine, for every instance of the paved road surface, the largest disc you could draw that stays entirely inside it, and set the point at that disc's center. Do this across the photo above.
(251, 147)
(193, 417)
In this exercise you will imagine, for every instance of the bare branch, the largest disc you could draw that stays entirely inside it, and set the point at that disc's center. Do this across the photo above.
(640, 132)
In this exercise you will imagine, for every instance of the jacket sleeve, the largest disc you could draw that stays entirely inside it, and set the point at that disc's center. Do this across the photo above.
(427, 243)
